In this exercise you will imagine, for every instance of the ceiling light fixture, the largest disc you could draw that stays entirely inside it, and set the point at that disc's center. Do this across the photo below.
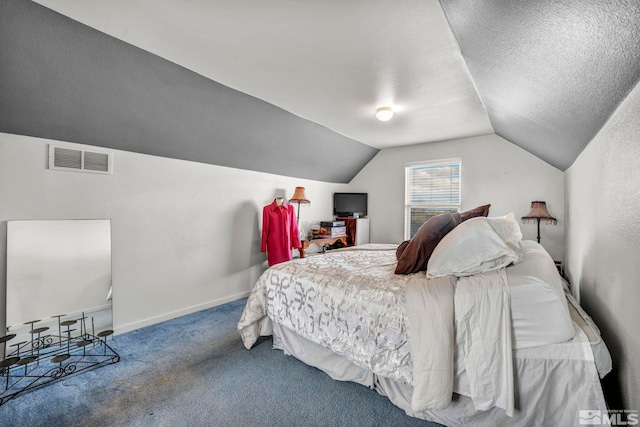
(384, 113)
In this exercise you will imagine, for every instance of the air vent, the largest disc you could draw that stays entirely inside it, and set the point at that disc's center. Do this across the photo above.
(68, 159)
(71, 159)
(98, 162)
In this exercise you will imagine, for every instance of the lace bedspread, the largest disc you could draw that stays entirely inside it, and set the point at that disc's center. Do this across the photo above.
(349, 301)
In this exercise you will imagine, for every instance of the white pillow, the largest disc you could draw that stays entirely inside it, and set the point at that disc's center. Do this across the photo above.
(472, 247)
(508, 228)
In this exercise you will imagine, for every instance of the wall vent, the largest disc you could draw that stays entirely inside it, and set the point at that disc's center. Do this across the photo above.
(72, 159)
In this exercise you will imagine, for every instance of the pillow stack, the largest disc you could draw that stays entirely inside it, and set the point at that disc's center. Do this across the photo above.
(477, 246)
(413, 255)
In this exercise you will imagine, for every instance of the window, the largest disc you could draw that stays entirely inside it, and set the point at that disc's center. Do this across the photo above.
(431, 188)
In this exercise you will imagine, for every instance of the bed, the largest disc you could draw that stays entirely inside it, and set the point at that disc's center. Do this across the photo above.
(486, 335)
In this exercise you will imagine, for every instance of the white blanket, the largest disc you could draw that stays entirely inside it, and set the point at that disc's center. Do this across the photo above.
(481, 329)
(430, 308)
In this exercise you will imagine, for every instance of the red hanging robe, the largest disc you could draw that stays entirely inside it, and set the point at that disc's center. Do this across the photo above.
(279, 232)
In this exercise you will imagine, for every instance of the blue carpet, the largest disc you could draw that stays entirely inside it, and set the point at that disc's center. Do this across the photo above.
(194, 371)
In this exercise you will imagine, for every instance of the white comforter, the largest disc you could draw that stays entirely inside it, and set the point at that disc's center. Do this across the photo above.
(399, 327)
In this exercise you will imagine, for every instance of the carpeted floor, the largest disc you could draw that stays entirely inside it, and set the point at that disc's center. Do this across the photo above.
(194, 371)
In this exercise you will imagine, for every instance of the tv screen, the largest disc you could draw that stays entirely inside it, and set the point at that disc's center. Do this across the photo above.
(348, 204)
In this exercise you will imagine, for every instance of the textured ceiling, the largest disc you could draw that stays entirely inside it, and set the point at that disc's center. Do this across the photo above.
(550, 73)
(332, 62)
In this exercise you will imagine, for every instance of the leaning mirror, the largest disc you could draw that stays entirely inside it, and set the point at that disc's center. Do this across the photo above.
(58, 312)
(57, 268)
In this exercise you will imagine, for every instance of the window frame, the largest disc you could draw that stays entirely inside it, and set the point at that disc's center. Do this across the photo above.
(435, 207)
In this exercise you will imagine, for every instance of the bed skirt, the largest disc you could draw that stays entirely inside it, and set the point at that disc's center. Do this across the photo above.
(553, 383)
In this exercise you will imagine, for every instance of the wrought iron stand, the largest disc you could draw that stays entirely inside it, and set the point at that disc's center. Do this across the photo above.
(47, 357)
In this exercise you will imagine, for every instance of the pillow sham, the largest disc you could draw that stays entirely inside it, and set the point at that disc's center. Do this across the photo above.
(415, 254)
(473, 247)
(475, 212)
(401, 248)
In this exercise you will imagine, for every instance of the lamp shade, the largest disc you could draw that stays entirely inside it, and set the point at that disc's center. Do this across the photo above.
(539, 212)
(299, 196)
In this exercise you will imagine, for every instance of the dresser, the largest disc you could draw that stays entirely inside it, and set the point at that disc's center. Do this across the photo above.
(357, 230)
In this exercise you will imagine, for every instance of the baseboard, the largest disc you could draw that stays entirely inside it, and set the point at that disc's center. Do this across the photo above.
(121, 329)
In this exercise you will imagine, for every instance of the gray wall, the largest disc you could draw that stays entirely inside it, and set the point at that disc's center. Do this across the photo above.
(185, 235)
(603, 244)
(65, 81)
(493, 171)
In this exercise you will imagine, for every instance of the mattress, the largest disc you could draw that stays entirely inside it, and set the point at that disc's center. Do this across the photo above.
(539, 309)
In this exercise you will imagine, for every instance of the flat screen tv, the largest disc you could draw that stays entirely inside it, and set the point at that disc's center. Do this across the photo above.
(348, 204)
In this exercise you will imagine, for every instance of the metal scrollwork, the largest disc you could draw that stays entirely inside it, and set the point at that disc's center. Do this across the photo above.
(57, 373)
(46, 358)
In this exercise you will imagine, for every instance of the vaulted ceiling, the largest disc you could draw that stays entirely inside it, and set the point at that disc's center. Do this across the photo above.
(545, 75)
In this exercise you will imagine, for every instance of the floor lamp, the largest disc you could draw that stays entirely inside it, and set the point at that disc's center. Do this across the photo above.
(300, 199)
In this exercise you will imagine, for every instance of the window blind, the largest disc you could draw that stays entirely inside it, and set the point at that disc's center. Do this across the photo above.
(432, 188)
(434, 183)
